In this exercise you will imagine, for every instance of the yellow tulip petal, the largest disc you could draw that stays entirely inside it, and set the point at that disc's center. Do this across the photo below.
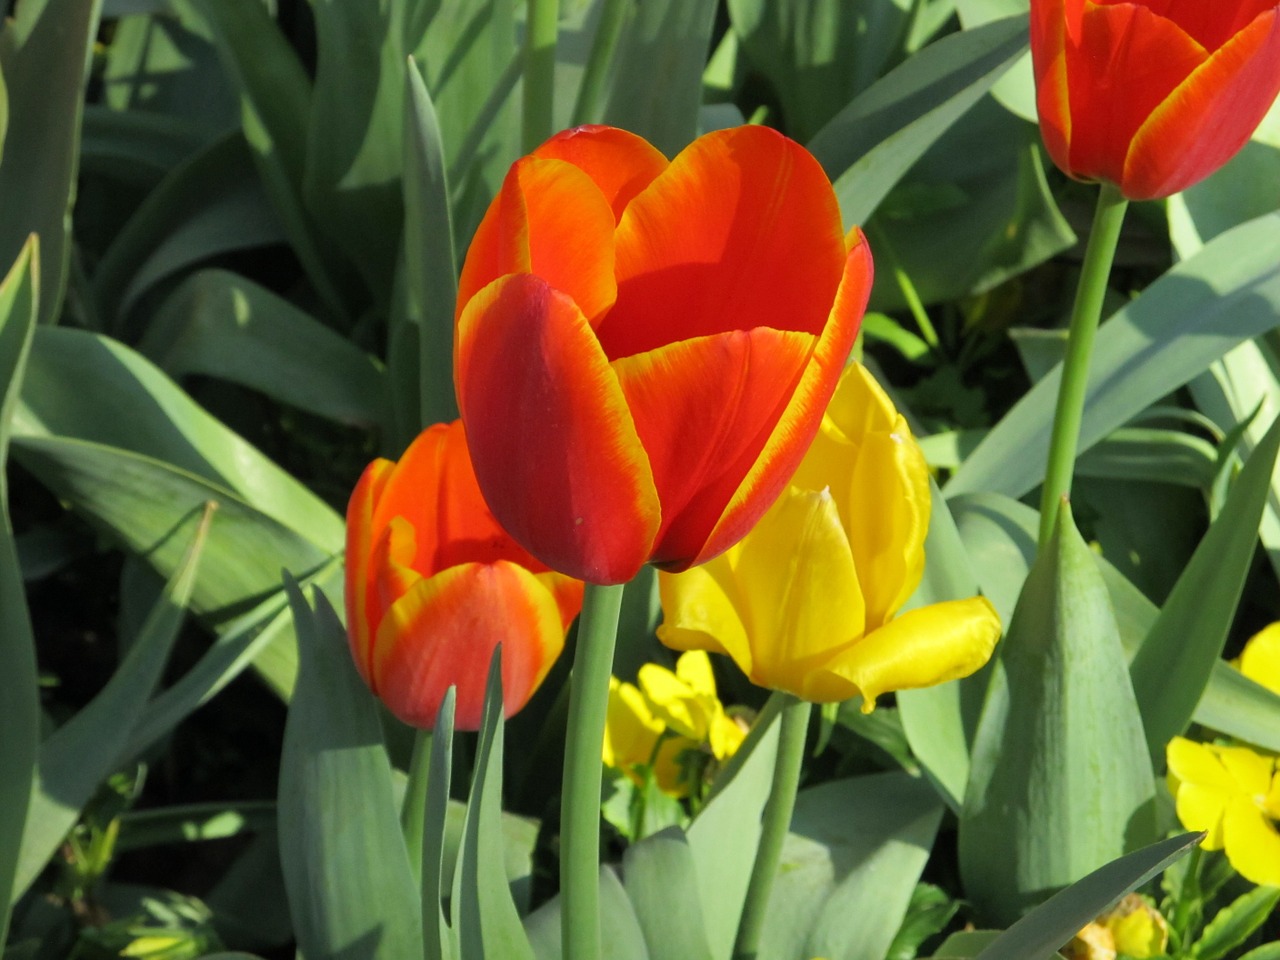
(1260, 659)
(1193, 762)
(630, 729)
(1251, 771)
(726, 736)
(1201, 808)
(668, 770)
(694, 668)
(700, 611)
(673, 702)
(1252, 842)
(1140, 933)
(921, 648)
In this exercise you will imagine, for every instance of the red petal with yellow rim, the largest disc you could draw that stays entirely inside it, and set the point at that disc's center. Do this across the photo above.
(554, 445)
(620, 163)
(742, 230)
(1049, 61)
(361, 621)
(444, 631)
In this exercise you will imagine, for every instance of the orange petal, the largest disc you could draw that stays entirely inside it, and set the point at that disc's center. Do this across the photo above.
(549, 218)
(1209, 24)
(1049, 63)
(554, 446)
(620, 163)
(1202, 123)
(795, 430)
(443, 632)
(704, 408)
(1127, 62)
(362, 622)
(741, 230)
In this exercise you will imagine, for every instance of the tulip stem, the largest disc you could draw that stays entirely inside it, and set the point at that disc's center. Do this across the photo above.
(415, 801)
(583, 765)
(774, 826)
(609, 29)
(1098, 257)
(539, 71)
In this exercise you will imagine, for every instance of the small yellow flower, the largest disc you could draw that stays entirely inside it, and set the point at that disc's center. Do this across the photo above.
(1260, 659)
(809, 601)
(1139, 929)
(1232, 793)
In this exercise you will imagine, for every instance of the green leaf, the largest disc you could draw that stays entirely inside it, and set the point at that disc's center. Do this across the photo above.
(872, 142)
(20, 718)
(45, 56)
(662, 883)
(1016, 90)
(928, 914)
(351, 892)
(1060, 782)
(92, 745)
(620, 935)
(1227, 293)
(219, 324)
(136, 146)
(1173, 665)
(439, 941)
(430, 261)
(210, 204)
(854, 856)
(484, 915)
(1237, 706)
(1238, 191)
(1153, 454)
(193, 822)
(1268, 951)
(657, 80)
(1235, 923)
(1053, 923)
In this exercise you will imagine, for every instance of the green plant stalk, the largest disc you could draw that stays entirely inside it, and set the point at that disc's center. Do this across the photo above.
(583, 772)
(539, 71)
(776, 822)
(880, 242)
(415, 801)
(1085, 315)
(587, 109)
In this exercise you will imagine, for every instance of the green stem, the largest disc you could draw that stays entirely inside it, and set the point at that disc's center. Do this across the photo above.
(612, 17)
(884, 249)
(776, 821)
(580, 797)
(1086, 313)
(539, 71)
(414, 808)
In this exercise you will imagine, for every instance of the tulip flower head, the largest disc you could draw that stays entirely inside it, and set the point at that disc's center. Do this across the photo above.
(644, 347)
(809, 602)
(1153, 95)
(1260, 658)
(1233, 793)
(434, 584)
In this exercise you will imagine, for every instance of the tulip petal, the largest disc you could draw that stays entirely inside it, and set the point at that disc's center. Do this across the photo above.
(742, 230)
(694, 669)
(1152, 55)
(1193, 762)
(1252, 842)
(630, 731)
(673, 702)
(444, 630)
(796, 427)
(1260, 659)
(555, 447)
(1209, 116)
(1049, 62)
(1209, 24)
(1251, 771)
(621, 163)
(550, 219)
(362, 622)
(704, 409)
(700, 610)
(921, 648)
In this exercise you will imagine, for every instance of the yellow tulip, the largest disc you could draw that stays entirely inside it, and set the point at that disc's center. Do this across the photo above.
(1260, 659)
(1232, 793)
(809, 602)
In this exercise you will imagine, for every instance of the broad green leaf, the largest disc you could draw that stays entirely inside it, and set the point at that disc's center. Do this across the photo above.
(1268, 951)
(1235, 923)
(249, 903)
(1227, 293)
(1153, 454)
(930, 912)
(662, 884)
(620, 934)
(484, 915)
(1242, 189)
(1172, 668)
(4, 113)
(219, 324)
(210, 204)
(1016, 89)
(351, 892)
(819, 55)
(1060, 781)
(45, 54)
(1039, 934)
(191, 822)
(439, 942)
(1235, 705)
(275, 99)
(430, 260)
(656, 86)
(868, 147)
(92, 745)
(939, 721)
(854, 856)
(135, 146)
(20, 718)
(151, 417)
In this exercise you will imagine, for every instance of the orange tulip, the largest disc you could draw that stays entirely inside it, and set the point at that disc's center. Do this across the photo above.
(1153, 95)
(434, 585)
(645, 348)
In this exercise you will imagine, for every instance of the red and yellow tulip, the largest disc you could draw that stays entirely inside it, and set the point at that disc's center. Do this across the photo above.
(644, 347)
(434, 584)
(1152, 95)
(810, 601)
